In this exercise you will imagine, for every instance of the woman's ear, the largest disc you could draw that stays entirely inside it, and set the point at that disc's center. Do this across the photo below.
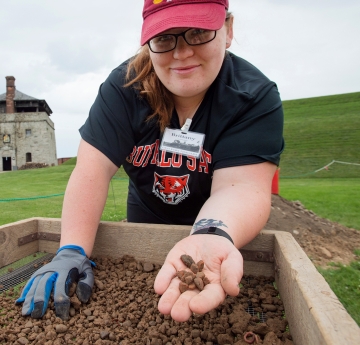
(229, 31)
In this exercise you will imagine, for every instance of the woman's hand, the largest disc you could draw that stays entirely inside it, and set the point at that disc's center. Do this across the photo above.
(223, 266)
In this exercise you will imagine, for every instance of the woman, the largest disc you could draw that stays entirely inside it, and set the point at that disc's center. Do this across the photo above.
(199, 132)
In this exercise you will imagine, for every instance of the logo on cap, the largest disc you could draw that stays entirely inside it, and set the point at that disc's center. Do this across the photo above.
(156, 2)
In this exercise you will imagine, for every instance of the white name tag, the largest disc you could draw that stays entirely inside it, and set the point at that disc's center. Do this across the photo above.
(185, 143)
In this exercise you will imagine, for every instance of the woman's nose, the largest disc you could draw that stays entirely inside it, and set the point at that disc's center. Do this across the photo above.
(182, 49)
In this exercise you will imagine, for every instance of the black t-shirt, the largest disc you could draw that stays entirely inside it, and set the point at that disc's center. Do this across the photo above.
(241, 117)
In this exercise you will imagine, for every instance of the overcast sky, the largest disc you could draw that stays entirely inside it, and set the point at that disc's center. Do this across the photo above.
(61, 51)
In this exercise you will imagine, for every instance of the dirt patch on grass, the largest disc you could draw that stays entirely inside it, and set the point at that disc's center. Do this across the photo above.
(322, 240)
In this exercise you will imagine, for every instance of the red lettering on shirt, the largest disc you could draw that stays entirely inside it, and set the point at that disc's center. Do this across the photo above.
(137, 162)
(147, 153)
(163, 163)
(142, 155)
(204, 160)
(176, 163)
(156, 152)
(129, 158)
(191, 163)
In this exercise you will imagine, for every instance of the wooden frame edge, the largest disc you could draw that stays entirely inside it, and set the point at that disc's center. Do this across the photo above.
(315, 314)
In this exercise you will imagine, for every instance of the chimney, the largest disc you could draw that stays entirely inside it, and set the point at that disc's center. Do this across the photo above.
(10, 95)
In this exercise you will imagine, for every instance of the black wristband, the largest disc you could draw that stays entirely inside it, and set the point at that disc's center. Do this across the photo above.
(213, 230)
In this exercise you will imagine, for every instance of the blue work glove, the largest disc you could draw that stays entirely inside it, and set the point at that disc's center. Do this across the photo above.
(70, 265)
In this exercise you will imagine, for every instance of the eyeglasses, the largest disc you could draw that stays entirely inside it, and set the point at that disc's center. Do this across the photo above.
(193, 37)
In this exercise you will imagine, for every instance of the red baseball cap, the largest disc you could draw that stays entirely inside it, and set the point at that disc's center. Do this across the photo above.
(161, 15)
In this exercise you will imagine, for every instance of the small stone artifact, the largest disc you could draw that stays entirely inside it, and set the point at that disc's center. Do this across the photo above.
(194, 278)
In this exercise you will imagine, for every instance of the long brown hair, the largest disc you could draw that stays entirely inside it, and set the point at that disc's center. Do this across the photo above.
(141, 75)
(150, 87)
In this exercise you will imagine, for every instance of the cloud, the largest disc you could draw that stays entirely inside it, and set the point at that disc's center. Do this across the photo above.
(62, 51)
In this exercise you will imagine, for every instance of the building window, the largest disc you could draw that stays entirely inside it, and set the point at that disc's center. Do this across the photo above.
(28, 157)
(27, 132)
(6, 138)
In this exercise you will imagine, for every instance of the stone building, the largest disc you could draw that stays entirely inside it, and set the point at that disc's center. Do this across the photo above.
(27, 134)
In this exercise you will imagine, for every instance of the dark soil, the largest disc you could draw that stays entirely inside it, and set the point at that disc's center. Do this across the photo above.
(123, 307)
(123, 310)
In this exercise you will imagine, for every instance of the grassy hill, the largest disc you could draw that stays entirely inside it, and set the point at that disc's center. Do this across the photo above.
(319, 130)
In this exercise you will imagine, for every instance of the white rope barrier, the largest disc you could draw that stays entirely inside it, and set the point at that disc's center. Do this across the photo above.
(325, 167)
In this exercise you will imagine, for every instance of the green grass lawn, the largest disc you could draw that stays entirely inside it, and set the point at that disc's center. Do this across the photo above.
(40, 193)
(336, 199)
